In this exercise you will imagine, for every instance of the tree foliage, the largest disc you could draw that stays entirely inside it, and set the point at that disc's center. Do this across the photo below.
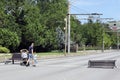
(9, 39)
(34, 21)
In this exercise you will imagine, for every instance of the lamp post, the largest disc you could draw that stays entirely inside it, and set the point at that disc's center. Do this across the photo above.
(65, 28)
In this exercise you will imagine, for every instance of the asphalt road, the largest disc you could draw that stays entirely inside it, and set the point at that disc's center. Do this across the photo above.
(66, 68)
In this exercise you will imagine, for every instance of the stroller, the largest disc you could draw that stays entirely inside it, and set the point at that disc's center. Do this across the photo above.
(24, 55)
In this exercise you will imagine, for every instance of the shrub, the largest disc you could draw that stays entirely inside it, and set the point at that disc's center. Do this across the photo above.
(4, 50)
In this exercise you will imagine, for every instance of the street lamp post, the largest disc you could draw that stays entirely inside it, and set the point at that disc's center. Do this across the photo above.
(65, 34)
(68, 33)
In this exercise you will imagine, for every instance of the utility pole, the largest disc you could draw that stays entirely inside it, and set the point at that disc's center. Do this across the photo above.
(70, 26)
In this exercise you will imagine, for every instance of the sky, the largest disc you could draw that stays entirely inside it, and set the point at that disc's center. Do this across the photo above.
(109, 8)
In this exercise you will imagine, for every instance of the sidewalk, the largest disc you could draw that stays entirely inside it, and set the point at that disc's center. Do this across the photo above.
(79, 53)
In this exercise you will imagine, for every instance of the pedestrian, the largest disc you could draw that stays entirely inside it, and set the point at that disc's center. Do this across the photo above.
(31, 54)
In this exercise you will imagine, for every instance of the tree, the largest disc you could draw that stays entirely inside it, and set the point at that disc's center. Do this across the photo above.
(93, 33)
(22, 20)
(9, 39)
(53, 13)
(34, 22)
(76, 34)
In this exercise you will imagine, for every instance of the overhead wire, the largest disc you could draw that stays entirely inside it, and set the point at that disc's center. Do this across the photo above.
(78, 10)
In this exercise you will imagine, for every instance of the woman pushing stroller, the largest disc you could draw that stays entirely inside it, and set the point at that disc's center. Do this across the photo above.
(28, 56)
(32, 57)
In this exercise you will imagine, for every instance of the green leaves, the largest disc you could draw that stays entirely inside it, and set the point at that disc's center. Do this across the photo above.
(8, 39)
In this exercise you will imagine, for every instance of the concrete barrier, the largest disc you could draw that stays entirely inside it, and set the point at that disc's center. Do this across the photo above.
(101, 63)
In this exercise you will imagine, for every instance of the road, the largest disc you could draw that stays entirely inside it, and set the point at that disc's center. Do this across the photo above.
(65, 68)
